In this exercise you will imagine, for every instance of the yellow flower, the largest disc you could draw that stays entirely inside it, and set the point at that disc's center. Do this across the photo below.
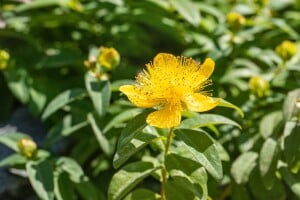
(108, 58)
(259, 86)
(171, 85)
(286, 50)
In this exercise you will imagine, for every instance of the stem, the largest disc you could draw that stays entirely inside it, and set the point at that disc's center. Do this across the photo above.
(164, 170)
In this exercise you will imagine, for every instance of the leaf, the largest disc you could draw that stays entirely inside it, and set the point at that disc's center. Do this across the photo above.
(72, 168)
(203, 150)
(41, 178)
(88, 191)
(63, 128)
(102, 140)
(128, 177)
(40, 4)
(133, 127)
(99, 92)
(123, 116)
(11, 139)
(63, 99)
(190, 171)
(270, 123)
(292, 181)
(13, 160)
(227, 104)
(243, 166)
(268, 159)
(206, 119)
(63, 187)
(188, 10)
(142, 194)
(289, 105)
(139, 141)
(291, 146)
(17, 80)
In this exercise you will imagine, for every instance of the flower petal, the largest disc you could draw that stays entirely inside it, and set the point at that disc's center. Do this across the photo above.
(200, 103)
(138, 97)
(169, 116)
(164, 60)
(207, 68)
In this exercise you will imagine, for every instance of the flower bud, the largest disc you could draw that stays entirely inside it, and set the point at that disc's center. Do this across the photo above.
(4, 58)
(108, 58)
(27, 147)
(235, 21)
(259, 86)
(286, 50)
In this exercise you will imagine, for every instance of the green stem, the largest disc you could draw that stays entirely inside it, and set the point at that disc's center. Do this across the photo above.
(164, 170)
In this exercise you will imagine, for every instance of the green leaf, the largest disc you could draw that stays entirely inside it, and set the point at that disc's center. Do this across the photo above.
(270, 123)
(63, 129)
(63, 188)
(40, 4)
(72, 168)
(88, 191)
(268, 159)
(291, 146)
(203, 149)
(17, 80)
(11, 140)
(99, 92)
(102, 140)
(188, 10)
(289, 105)
(142, 194)
(133, 127)
(292, 180)
(206, 119)
(63, 99)
(239, 192)
(41, 178)
(13, 160)
(243, 166)
(123, 116)
(128, 177)
(227, 104)
(191, 173)
(139, 141)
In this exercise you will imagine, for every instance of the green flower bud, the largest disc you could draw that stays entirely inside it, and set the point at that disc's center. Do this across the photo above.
(108, 58)
(286, 50)
(27, 147)
(4, 58)
(259, 87)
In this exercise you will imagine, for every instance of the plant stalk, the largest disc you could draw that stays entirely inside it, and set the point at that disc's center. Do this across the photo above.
(164, 170)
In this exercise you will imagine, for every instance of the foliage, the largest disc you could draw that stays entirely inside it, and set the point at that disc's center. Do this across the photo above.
(246, 148)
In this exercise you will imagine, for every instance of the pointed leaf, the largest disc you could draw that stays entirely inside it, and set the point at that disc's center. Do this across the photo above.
(243, 166)
(128, 177)
(207, 119)
(104, 143)
(63, 99)
(188, 10)
(41, 178)
(139, 141)
(227, 104)
(269, 155)
(12, 160)
(99, 92)
(203, 149)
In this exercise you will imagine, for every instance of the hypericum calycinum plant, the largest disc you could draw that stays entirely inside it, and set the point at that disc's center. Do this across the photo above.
(170, 85)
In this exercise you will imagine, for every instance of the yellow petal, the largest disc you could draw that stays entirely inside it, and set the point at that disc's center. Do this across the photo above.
(206, 69)
(169, 116)
(138, 97)
(200, 103)
(165, 61)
